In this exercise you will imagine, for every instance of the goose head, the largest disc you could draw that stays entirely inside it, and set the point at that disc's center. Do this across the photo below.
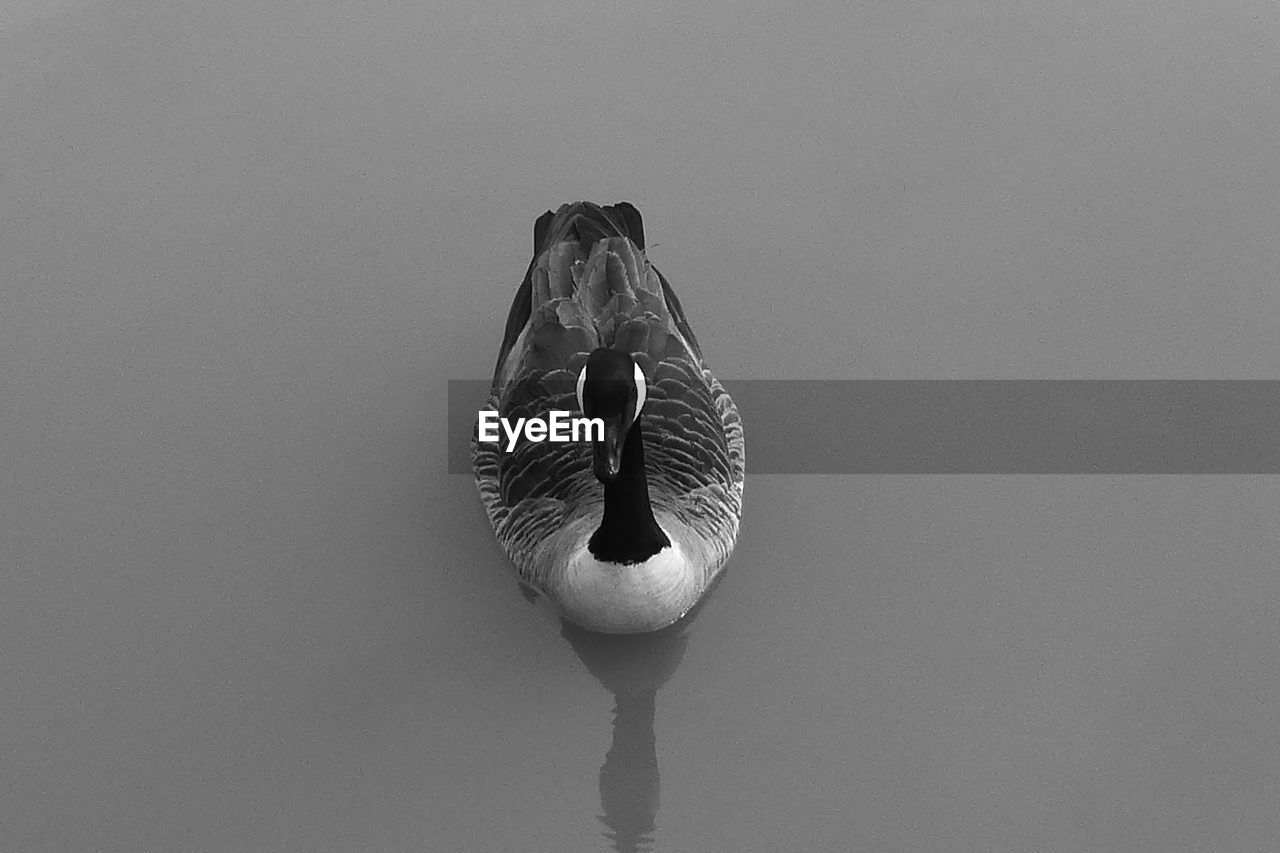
(611, 387)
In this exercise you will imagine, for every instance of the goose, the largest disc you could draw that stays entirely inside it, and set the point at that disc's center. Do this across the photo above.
(627, 532)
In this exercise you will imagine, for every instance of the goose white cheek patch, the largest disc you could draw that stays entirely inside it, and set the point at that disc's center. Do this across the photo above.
(641, 388)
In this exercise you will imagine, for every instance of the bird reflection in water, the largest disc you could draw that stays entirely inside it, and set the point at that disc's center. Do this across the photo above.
(632, 668)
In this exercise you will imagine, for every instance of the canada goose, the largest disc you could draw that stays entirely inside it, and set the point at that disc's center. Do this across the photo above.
(627, 532)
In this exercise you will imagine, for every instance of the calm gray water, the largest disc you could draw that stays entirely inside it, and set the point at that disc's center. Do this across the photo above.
(244, 246)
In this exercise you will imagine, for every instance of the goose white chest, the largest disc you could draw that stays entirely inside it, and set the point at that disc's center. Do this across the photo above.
(627, 597)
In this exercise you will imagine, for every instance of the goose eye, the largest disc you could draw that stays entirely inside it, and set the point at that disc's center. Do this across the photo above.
(640, 389)
(582, 380)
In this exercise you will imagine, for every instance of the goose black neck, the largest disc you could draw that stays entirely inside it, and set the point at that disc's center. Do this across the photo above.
(628, 532)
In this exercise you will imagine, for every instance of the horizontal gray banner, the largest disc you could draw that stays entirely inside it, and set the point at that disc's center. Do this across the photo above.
(983, 426)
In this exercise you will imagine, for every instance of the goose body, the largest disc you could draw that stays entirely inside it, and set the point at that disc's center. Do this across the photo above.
(624, 533)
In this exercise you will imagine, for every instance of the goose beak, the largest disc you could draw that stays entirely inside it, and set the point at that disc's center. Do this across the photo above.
(608, 453)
